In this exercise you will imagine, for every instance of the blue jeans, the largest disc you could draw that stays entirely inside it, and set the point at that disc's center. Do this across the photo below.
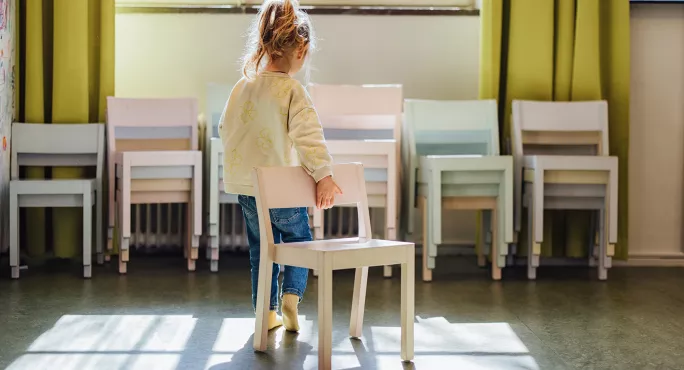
(290, 225)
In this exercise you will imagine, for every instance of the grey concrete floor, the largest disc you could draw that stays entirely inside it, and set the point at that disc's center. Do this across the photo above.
(161, 317)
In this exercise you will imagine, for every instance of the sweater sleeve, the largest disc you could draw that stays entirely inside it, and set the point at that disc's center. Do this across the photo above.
(306, 132)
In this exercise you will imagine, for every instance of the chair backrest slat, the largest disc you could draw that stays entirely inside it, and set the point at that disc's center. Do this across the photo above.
(56, 160)
(289, 187)
(57, 145)
(152, 124)
(560, 128)
(217, 96)
(362, 112)
(452, 127)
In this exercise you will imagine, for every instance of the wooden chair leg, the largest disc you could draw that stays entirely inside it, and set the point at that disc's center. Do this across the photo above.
(99, 235)
(408, 271)
(390, 234)
(427, 273)
(603, 244)
(531, 269)
(14, 234)
(496, 270)
(87, 234)
(263, 304)
(482, 239)
(358, 302)
(318, 217)
(325, 311)
(192, 252)
(123, 242)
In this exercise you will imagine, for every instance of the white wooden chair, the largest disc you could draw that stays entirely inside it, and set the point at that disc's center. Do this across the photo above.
(363, 124)
(58, 145)
(215, 212)
(563, 162)
(454, 163)
(287, 187)
(154, 158)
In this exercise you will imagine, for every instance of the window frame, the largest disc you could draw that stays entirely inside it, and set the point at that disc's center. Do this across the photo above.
(240, 7)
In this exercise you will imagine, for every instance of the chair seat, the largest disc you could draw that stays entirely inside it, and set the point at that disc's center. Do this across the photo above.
(464, 163)
(352, 253)
(571, 163)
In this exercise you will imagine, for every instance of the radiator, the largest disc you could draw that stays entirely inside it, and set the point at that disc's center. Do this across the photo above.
(162, 227)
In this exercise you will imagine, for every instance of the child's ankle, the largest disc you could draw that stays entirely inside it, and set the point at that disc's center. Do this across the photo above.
(274, 320)
(290, 312)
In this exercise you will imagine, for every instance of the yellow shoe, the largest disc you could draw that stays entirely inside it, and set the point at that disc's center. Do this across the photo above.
(274, 320)
(290, 319)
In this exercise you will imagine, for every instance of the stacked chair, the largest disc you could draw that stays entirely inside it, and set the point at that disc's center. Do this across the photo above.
(154, 158)
(221, 207)
(454, 163)
(363, 124)
(562, 162)
(58, 145)
(449, 149)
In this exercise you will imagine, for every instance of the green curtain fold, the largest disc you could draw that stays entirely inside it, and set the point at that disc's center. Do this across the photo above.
(66, 73)
(561, 50)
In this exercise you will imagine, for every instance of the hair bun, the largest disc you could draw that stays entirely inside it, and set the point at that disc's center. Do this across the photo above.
(281, 28)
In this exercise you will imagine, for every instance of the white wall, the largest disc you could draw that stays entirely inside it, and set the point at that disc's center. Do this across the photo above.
(436, 57)
(656, 177)
(176, 55)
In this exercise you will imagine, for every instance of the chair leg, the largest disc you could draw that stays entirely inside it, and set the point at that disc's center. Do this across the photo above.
(213, 253)
(390, 234)
(192, 252)
(531, 269)
(325, 290)
(99, 237)
(123, 242)
(358, 302)
(603, 243)
(14, 234)
(87, 234)
(263, 304)
(427, 273)
(319, 229)
(482, 240)
(408, 270)
(496, 269)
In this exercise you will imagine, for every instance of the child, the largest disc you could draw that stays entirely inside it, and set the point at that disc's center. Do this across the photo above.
(269, 120)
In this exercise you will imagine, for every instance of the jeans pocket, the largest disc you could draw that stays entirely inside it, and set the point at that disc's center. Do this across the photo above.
(285, 216)
(248, 205)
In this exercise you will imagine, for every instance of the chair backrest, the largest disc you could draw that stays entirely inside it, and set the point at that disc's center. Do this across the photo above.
(560, 128)
(151, 124)
(451, 127)
(217, 96)
(57, 145)
(359, 112)
(290, 187)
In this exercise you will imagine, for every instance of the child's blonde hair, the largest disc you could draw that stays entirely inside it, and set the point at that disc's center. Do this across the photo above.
(280, 29)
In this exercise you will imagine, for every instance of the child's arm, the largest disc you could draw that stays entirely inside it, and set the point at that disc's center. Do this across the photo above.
(306, 133)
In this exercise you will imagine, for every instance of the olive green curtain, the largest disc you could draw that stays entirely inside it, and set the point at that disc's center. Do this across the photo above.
(66, 71)
(561, 50)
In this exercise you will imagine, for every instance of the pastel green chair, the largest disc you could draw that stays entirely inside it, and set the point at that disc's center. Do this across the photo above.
(454, 163)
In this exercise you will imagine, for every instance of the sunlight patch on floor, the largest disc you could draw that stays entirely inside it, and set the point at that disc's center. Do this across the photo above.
(162, 342)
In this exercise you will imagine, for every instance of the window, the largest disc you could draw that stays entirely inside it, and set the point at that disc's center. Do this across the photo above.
(359, 3)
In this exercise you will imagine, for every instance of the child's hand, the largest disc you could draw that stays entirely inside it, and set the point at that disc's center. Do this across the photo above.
(325, 193)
